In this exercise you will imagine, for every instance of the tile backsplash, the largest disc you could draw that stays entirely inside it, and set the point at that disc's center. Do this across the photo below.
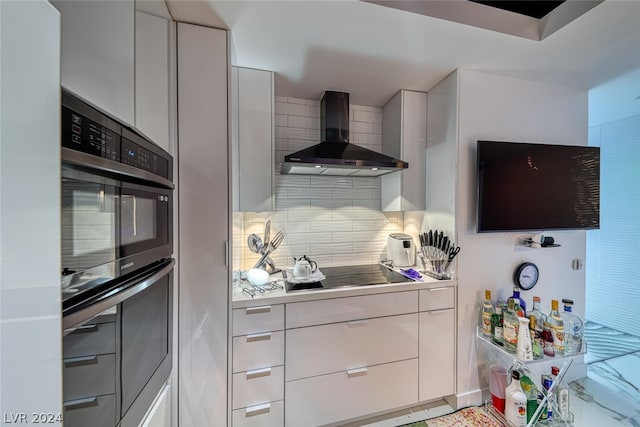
(333, 220)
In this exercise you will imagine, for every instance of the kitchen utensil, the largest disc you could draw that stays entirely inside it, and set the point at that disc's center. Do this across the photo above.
(267, 231)
(273, 245)
(255, 243)
(257, 276)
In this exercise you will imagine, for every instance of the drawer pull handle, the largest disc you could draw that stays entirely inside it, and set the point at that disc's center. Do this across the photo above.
(257, 373)
(257, 310)
(357, 372)
(257, 410)
(259, 337)
(438, 289)
(84, 329)
(80, 361)
(80, 403)
(357, 322)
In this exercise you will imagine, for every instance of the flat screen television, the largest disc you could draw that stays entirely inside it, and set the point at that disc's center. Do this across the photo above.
(537, 187)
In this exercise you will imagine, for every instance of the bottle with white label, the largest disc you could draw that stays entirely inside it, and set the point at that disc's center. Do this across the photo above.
(487, 311)
(515, 408)
(561, 394)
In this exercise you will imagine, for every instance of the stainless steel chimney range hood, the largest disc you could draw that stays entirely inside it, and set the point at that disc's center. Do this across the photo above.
(335, 155)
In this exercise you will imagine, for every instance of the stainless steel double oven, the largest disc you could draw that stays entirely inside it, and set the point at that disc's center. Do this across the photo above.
(117, 267)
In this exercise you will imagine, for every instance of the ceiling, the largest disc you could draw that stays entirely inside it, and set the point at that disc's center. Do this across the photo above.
(372, 51)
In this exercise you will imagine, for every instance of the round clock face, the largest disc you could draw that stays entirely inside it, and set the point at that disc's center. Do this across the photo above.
(526, 275)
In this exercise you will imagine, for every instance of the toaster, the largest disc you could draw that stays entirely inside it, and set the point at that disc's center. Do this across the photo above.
(401, 250)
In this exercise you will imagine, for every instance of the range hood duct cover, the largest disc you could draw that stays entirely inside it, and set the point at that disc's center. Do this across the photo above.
(335, 155)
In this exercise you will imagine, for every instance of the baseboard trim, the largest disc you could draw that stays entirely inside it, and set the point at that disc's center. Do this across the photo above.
(463, 400)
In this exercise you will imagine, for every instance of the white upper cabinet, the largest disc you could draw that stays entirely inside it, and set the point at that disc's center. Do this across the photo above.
(98, 53)
(252, 140)
(404, 136)
(152, 78)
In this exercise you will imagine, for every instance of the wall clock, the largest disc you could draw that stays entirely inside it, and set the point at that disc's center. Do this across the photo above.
(526, 275)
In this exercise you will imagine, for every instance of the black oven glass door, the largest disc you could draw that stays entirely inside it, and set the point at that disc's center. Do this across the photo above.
(144, 217)
(110, 228)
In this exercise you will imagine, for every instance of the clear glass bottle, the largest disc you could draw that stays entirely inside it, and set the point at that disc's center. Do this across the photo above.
(536, 326)
(510, 327)
(561, 394)
(573, 329)
(487, 311)
(516, 295)
(496, 325)
(556, 325)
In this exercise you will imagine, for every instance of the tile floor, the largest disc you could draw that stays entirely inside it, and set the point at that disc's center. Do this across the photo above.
(608, 397)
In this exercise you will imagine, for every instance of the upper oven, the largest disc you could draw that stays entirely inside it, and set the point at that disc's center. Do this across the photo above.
(117, 202)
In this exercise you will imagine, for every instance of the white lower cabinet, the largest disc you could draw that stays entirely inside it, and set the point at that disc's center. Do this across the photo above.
(437, 342)
(264, 415)
(346, 358)
(258, 366)
(342, 395)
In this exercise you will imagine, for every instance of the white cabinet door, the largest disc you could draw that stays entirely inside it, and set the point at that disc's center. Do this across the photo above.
(343, 395)
(254, 133)
(437, 356)
(323, 349)
(97, 60)
(152, 78)
(404, 136)
(203, 71)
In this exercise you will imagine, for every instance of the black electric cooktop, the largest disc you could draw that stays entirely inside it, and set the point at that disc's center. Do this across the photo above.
(352, 275)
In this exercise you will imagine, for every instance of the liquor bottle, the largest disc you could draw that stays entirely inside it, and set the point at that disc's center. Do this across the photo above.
(556, 325)
(573, 329)
(516, 295)
(487, 311)
(524, 351)
(531, 391)
(536, 326)
(561, 392)
(496, 325)
(547, 412)
(510, 327)
(515, 408)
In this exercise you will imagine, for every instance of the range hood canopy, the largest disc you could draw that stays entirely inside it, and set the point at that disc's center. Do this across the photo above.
(335, 155)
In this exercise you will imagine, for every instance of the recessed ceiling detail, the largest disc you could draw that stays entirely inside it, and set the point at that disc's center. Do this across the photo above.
(533, 20)
(534, 9)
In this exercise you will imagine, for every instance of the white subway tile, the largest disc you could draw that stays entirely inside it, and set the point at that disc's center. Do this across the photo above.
(293, 181)
(366, 204)
(353, 214)
(377, 128)
(355, 194)
(332, 181)
(311, 215)
(331, 203)
(281, 120)
(330, 249)
(284, 203)
(357, 107)
(354, 258)
(304, 122)
(309, 193)
(367, 116)
(364, 139)
(308, 238)
(296, 227)
(311, 102)
(292, 109)
(361, 127)
(293, 133)
(315, 134)
(370, 183)
(315, 111)
(329, 226)
(298, 144)
(282, 99)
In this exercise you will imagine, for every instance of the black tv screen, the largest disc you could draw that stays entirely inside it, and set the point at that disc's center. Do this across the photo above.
(536, 187)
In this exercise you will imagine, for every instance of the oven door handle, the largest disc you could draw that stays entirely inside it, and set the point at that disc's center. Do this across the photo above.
(109, 300)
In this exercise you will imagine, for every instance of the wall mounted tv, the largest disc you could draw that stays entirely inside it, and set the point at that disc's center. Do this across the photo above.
(536, 187)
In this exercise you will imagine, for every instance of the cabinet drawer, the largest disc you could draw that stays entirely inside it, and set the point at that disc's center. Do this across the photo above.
(344, 395)
(92, 411)
(252, 320)
(437, 298)
(258, 386)
(437, 373)
(258, 351)
(317, 350)
(96, 338)
(89, 376)
(266, 415)
(350, 308)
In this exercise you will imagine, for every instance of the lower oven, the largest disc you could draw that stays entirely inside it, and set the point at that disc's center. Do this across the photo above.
(117, 352)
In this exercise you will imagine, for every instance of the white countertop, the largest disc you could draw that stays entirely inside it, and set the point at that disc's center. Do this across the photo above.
(280, 296)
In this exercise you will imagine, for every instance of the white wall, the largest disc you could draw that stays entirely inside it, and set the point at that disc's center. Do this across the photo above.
(500, 108)
(30, 300)
(334, 220)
